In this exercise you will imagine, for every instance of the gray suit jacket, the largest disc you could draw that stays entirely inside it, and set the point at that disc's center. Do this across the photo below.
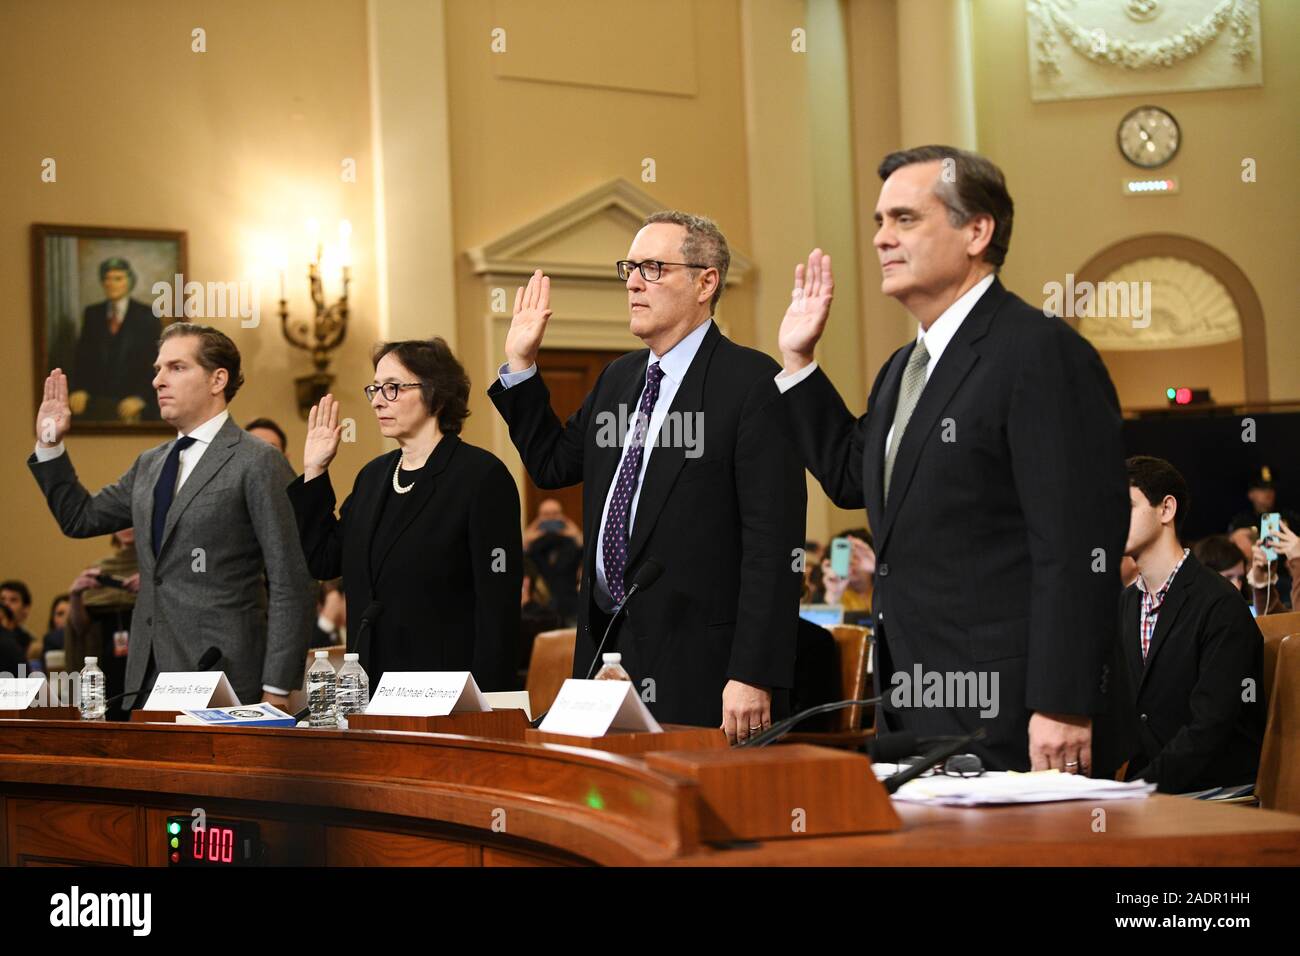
(230, 522)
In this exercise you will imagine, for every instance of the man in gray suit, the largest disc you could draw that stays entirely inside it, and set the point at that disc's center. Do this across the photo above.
(215, 533)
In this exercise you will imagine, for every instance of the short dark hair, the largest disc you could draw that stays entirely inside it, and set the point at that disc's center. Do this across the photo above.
(444, 384)
(270, 426)
(976, 187)
(1218, 553)
(1158, 480)
(215, 351)
(22, 590)
(704, 242)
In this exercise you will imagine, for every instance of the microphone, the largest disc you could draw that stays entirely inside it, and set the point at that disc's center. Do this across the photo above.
(784, 726)
(206, 662)
(368, 617)
(928, 760)
(646, 575)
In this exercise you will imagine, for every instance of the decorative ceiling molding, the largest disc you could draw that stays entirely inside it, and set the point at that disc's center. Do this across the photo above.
(581, 239)
(1089, 48)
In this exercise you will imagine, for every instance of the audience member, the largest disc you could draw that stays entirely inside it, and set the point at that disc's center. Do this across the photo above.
(18, 597)
(1190, 661)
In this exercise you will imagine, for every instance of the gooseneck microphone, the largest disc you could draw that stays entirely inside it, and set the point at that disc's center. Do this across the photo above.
(646, 575)
(784, 726)
(206, 663)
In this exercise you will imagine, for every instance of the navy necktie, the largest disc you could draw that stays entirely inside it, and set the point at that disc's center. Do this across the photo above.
(165, 490)
(614, 543)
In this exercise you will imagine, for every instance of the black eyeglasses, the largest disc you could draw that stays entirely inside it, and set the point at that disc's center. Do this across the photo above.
(390, 390)
(958, 765)
(651, 269)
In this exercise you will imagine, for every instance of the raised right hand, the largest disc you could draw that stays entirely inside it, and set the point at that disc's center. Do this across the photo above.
(532, 312)
(323, 434)
(810, 307)
(54, 417)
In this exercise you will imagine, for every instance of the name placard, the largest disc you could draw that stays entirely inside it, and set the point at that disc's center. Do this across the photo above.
(592, 708)
(191, 690)
(17, 693)
(427, 694)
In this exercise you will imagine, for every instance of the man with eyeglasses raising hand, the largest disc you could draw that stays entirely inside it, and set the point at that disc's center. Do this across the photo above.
(699, 481)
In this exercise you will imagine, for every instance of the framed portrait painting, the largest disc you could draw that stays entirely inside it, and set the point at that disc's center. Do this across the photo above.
(95, 317)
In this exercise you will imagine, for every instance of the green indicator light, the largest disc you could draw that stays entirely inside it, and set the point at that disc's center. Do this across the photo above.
(176, 842)
(1170, 393)
(595, 800)
(173, 828)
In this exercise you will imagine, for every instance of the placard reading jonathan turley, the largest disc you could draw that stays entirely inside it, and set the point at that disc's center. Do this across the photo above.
(191, 690)
(592, 708)
(427, 694)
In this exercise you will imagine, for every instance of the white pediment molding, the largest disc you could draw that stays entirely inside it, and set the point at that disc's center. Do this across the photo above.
(581, 239)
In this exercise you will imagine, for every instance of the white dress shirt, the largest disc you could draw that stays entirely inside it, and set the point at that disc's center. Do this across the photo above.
(936, 340)
(674, 364)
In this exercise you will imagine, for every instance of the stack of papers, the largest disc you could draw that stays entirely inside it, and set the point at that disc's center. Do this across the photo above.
(1005, 787)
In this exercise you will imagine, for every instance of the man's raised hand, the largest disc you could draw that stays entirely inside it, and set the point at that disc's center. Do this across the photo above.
(532, 311)
(54, 417)
(810, 307)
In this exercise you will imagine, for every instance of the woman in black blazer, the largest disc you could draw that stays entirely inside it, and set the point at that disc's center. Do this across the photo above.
(429, 542)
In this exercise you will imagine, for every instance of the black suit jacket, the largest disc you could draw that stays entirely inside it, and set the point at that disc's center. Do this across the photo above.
(1181, 711)
(113, 367)
(450, 581)
(999, 549)
(725, 525)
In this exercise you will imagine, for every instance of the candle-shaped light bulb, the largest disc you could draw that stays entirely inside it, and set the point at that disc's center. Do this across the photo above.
(345, 243)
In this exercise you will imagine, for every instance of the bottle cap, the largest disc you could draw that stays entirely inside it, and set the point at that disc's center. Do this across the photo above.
(613, 658)
(322, 655)
(92, 660)
(352, 657)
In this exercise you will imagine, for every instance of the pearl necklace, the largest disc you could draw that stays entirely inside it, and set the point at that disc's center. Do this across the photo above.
(397, 486)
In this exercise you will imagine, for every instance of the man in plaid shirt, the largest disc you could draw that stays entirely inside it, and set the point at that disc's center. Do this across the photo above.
(1189, 705)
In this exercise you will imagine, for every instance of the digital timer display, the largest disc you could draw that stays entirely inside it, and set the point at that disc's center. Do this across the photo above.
(214, 843)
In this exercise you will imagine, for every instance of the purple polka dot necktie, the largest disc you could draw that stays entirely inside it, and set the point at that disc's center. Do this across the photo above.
(613, 542)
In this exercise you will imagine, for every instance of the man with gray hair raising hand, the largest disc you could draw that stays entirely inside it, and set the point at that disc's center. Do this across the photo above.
(712, 642)
(990, 464)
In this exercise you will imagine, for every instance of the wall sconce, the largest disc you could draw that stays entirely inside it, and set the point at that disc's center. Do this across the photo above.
(325, 331)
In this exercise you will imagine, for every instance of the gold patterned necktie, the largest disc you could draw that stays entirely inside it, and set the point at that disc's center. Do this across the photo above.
(908, 395)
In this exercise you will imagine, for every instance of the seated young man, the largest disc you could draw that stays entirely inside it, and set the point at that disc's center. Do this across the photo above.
(1190, 691)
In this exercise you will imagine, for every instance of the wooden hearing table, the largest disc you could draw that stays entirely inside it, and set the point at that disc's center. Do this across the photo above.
(101, 793)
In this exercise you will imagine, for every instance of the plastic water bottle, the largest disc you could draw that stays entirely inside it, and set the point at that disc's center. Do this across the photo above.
(612, 668)
(321, 683)
(354, 687)
(92, 691)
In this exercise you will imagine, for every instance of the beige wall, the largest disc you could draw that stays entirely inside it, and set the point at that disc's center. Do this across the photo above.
(1064, 172)
(1141, 377)
(520, 147)
(244, 140)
